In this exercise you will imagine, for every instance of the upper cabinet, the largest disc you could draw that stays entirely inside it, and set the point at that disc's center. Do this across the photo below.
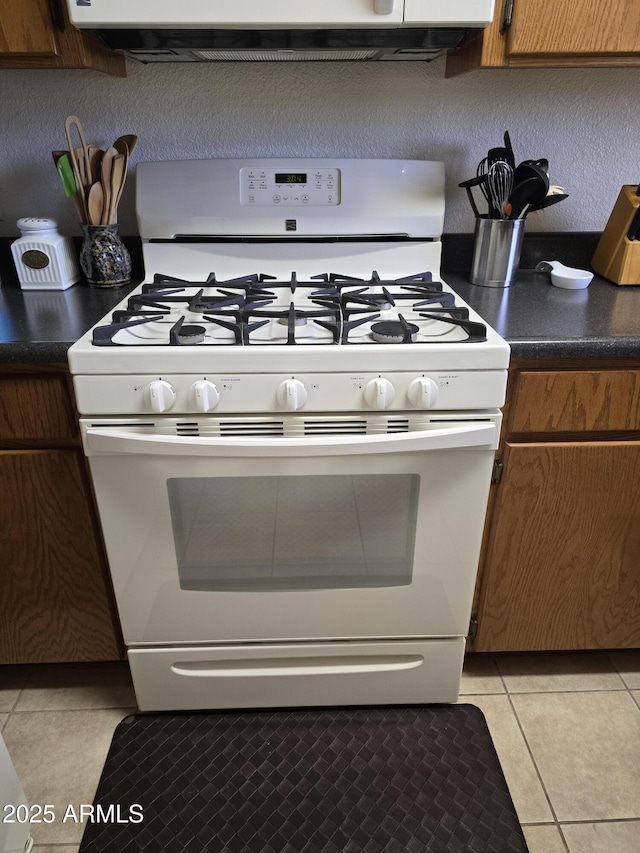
(554, 33)
(37, 34)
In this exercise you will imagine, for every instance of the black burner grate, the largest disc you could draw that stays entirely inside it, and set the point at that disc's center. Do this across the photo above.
(246, 304)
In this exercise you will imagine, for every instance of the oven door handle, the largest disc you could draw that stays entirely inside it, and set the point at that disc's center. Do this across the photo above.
(120, 440)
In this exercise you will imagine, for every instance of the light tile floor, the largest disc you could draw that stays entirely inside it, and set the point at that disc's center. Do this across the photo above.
(566, 728)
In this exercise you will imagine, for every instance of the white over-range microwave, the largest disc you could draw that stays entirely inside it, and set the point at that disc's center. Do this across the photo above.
(272, 30)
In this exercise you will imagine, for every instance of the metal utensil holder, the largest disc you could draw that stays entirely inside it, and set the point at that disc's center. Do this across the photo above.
(496, 251)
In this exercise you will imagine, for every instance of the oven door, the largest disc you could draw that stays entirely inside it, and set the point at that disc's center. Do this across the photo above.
(230, 538)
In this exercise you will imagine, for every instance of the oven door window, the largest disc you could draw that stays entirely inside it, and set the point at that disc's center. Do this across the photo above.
(294, 532)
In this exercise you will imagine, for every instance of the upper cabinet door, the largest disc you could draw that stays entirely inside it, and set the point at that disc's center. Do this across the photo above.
(237, 13)
(574, 27)
(25, 27)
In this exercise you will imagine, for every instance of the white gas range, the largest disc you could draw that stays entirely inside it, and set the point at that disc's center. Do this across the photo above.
(290, 426)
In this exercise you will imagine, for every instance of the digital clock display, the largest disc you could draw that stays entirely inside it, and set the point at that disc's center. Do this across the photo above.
(291, 178)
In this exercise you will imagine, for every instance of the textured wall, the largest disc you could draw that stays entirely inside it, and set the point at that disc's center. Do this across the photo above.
(585, 121)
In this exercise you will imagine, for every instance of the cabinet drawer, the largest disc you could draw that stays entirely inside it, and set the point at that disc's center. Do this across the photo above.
(36, 407)
(577, 401)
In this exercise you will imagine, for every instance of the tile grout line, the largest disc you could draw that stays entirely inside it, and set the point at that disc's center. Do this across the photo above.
(63, 710)
(556, 822)
(625, 687)
(601, 820)
(621, 676)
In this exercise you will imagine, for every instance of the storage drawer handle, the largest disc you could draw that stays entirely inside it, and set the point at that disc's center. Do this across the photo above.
(296, 666)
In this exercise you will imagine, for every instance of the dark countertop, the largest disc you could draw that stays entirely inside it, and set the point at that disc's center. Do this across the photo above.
(538, 319)
(543, 321)
(39, 326)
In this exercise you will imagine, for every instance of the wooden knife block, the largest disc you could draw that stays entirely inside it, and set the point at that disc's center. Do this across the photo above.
(616, 257)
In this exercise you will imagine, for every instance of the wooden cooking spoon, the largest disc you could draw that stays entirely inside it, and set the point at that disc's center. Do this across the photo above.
(95, 203)
(128, 142)
(118, 176)
(105, 177)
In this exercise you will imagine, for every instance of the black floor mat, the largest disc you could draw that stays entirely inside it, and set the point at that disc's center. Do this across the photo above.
(345, 780)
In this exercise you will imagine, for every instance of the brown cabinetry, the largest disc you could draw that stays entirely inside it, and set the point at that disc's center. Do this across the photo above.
(55, 599)
(37, 34)
(561, 567)
(535, 33)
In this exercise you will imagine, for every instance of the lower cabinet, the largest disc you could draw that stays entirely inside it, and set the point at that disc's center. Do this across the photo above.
(55, 597)
(561, 567)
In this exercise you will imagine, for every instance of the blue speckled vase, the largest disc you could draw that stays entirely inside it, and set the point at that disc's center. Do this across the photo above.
(104, 259)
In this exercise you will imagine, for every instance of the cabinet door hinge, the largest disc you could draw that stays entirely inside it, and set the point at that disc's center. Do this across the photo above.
(506, 15)
(473, 626)
(496, 475)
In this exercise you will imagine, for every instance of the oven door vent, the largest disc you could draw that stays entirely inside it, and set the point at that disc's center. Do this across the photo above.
(330, 426)
(249, 427)
(290, 426)
(355, 426)
(187, 429)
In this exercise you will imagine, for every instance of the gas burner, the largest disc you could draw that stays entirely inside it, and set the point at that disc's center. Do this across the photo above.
(191, 334)
(394, 331)
(318, 326)
(373, 301)
(299, 319)
(181, 298)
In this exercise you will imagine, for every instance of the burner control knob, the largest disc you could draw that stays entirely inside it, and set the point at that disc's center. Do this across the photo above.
(206, 395)
(291, 395)
(379, 393)
(161, 395)
(422, 393)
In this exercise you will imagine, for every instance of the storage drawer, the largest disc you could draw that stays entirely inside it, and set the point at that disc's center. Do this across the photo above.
(36, 407)
(576, 401)
(297, 674)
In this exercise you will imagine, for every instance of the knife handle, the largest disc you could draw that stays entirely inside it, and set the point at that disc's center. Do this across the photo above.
(633, 232)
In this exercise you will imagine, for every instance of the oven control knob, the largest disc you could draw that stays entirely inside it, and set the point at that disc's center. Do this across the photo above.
(161, 395)
(291, 395)
(379, 393)
(422, 393)
(206, 395)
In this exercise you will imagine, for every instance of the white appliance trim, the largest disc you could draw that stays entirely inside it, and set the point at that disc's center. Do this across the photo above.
(128, 441)
(256, 14)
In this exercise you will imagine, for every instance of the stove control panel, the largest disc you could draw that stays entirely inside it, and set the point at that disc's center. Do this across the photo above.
(255, 393)
(313, 187)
